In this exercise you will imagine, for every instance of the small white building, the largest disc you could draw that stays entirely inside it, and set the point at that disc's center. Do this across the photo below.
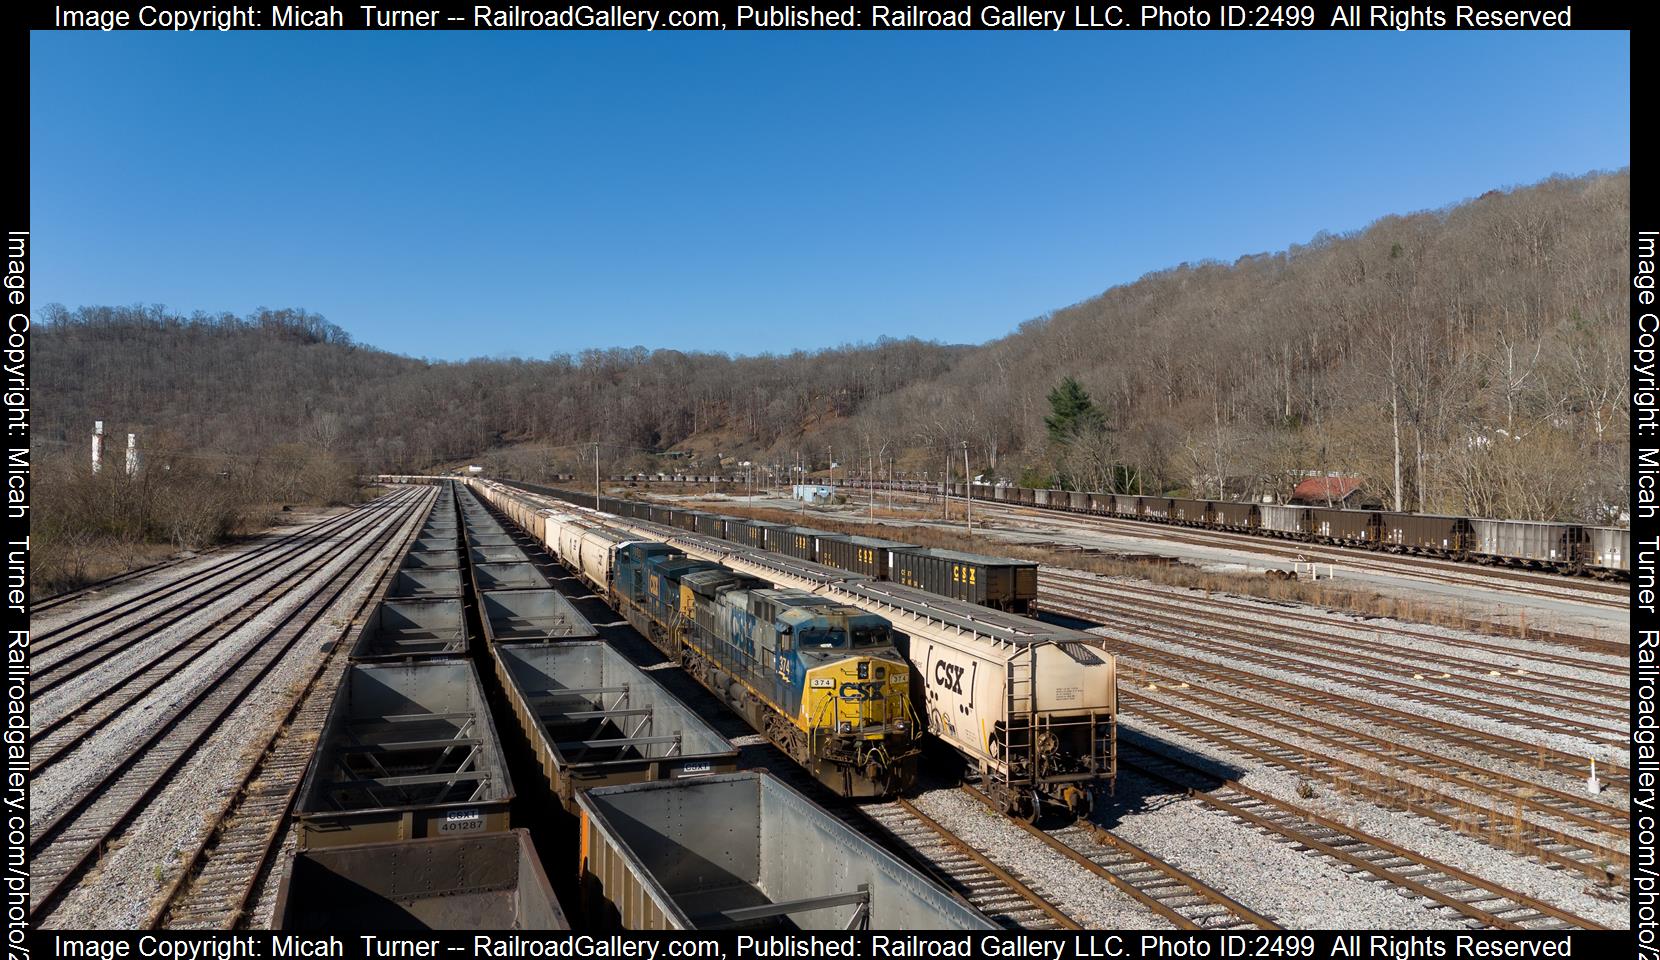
(813, 492)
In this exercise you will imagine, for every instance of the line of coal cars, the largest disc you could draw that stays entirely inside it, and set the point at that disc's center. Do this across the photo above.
(998, 582)
(1031, 707)
(404, 818)
(1562, 547)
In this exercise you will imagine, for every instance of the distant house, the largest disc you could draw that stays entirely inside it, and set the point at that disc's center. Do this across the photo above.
(1330, 491)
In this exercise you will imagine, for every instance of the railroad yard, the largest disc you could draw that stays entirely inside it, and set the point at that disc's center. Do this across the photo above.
(237, 738)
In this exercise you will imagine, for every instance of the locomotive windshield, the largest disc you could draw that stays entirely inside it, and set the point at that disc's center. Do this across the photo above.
(870, 636)
(823, 638)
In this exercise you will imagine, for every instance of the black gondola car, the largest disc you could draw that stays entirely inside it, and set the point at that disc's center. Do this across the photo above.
(866, 555)
(988, 581)
(710, 524)
(756, 533)
(798, 542)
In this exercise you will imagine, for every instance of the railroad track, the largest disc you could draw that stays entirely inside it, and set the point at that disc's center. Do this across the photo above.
(1585, 813)
(987, 887)
(1502, 821)
(1607, 736)
(215, 884)
(63, 847)
(1388, 866)
(1172, 893)
(108, 699)
(897, 826)
(1593, 645)
(1191, 607)
(1477, 901)
(1546, 587)
(220, 582)
(1527, 583)
(258, 550)
(1498, 828)
(1404, 724)
(1611, 701)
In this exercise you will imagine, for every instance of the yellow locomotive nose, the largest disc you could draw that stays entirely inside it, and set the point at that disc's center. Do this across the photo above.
(869, 697)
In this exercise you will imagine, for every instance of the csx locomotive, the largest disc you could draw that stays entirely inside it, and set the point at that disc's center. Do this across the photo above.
(820, 679)
(1032, 707)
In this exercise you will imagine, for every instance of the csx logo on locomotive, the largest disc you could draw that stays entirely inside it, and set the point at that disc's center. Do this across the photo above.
(949, 675)
(861, 691)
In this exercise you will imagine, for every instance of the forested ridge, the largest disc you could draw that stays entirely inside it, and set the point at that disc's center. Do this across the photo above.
(1467, 360)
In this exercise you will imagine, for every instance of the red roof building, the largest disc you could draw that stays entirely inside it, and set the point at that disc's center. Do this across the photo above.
(1329, 491)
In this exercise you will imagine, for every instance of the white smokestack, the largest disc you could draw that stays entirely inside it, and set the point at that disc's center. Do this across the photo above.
(97, 445)
(132, 454)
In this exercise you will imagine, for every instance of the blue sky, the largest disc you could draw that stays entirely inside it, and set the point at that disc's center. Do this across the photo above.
(452, 195)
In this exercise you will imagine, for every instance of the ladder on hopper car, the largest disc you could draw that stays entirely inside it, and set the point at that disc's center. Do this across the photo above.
(1020, 733)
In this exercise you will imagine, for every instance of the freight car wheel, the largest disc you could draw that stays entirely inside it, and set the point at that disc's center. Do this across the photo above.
(1025, 805)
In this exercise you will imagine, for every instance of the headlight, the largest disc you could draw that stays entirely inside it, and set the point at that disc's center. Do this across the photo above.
(845, 727)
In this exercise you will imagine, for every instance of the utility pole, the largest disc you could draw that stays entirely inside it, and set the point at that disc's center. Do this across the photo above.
(879, 455)
(968, 490)
(945, 488)
(596, 474)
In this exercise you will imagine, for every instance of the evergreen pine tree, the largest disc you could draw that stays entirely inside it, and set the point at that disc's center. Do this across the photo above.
(1074, 413)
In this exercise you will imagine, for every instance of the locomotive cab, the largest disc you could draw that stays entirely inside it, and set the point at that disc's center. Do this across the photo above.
(853, 687)
(837, 690)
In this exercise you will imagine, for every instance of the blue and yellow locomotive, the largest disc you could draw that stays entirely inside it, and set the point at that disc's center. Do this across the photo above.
(820, 679)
